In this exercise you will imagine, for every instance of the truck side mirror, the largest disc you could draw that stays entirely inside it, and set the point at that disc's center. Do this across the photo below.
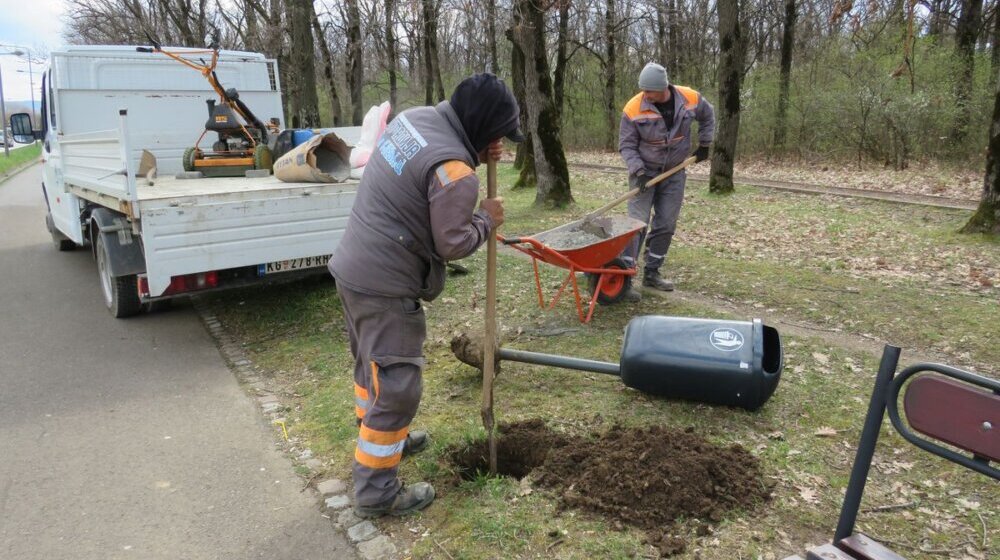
(21, 130)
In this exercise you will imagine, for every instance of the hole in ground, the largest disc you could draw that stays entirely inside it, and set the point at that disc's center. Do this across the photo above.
(521, 447)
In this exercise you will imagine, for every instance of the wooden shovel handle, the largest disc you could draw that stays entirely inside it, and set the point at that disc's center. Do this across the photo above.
(632, 193)
(490, 331)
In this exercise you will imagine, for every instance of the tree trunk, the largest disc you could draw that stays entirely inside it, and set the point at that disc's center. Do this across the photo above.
(524, 159)
(491, 29)
(661, 35)
(390, 42)
(427, 16)
(966, 36)
(731, 60)
(356, 72)
(611, 64)
(552, 173)
(787, 47)
(432, 67)
(304, 102)
(673, 33)
(987, 217)
(560, 73)
(252, 38)
(995, 45)
(328, 75)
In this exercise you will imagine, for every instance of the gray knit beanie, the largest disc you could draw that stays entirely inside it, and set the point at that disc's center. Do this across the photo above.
(653, 78)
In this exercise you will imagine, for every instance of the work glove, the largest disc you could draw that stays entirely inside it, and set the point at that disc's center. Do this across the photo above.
(701, 154)
(642, 179)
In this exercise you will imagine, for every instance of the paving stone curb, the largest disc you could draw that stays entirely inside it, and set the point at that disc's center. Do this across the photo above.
(334, 495)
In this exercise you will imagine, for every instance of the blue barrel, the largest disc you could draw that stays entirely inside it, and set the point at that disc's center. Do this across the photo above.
(300, 135)
(734, 363)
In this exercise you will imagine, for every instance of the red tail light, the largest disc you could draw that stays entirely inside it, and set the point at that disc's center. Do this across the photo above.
(188, 283)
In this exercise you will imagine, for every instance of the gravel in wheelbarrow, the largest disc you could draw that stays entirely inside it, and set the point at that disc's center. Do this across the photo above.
(577, 235)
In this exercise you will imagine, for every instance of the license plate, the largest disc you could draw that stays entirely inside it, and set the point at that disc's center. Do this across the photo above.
(292, 264)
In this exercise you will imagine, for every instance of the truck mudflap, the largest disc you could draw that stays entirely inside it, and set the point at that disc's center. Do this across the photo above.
(124, 247)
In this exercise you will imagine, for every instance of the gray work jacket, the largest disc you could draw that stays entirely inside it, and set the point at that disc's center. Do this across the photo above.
(415, 208)
(649, 144)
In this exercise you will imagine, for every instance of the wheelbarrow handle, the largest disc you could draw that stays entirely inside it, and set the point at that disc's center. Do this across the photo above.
(632, 193)
(510, 240)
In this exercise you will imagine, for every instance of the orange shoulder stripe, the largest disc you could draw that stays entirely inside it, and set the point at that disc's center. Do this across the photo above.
(451, 171)
(690, 95)
(633, 109)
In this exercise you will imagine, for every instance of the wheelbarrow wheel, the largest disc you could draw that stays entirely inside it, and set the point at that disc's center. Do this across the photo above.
(615, 285)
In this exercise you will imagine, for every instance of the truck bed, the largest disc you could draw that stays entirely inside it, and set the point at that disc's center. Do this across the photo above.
(215, 187)
(200, 225)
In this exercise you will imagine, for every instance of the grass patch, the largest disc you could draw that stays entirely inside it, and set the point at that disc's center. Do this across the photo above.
(19, 158)
(812, 259)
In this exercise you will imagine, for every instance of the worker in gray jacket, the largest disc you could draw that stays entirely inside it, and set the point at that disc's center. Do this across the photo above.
(415, 210)
(654, 136)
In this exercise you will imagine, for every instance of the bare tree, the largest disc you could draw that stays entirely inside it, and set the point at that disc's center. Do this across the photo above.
(356, 68)
(551, 171)
(732, 52)
(336, 112)
(432, 66)
(966, 37)
(987, 216)
(390, 47)
(562, 59)
(787, 47)
(611, 110)
(491, 30)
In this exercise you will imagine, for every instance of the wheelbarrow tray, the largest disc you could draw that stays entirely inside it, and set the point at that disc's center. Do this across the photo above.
(587, 250)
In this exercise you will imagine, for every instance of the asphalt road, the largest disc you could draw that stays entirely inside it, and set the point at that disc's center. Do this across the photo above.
(127, 438)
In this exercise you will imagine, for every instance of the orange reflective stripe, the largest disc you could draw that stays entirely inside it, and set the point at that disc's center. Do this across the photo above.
(359, 412)
(360, 392)
(374, 462)
(690, 96)
(451, 171)
(375, 378)
(383, 438)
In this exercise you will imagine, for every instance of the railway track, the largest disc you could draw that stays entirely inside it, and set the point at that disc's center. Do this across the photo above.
(789, 186)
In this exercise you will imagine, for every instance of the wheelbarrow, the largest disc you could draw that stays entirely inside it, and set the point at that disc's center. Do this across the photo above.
(577, 250)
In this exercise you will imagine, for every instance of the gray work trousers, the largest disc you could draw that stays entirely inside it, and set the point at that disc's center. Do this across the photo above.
(664, 200)
(387, 338)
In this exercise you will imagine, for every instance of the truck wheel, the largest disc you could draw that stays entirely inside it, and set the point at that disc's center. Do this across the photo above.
(262, 157)
(121, 293)
(61, 243)
(615, 285)
(188, 158)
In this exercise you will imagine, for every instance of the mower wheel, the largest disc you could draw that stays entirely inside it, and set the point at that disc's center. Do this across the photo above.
(615, 285)
(262, 157)
(189, 156)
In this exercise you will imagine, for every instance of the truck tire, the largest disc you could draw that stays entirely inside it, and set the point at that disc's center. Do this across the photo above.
(60, 242)
(262, 157)
(121, 293)
(190, 154)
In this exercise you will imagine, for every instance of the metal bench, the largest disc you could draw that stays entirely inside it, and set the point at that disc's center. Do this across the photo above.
(952, 406)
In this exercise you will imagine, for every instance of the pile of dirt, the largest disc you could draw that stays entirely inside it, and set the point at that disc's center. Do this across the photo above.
(643, 477)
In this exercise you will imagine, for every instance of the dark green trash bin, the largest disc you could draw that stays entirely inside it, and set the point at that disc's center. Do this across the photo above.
(735, 363)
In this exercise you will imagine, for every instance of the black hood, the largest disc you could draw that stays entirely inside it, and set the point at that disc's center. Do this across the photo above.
(487, 110)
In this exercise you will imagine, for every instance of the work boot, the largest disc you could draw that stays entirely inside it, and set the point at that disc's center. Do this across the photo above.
(653, 280)
(416, 441)
(632, 296)
(410, 499)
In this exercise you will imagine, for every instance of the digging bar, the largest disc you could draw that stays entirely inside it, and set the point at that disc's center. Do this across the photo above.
(490, 334)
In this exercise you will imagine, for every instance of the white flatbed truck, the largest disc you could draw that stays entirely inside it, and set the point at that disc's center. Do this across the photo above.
(160, 238)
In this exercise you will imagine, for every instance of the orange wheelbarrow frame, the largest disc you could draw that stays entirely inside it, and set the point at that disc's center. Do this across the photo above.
(591, 259)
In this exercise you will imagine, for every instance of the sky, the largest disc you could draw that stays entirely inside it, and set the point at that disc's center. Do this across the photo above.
(32, 25)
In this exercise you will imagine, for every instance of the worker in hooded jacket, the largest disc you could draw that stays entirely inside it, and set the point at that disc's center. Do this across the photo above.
(415, 210)
(655, 136)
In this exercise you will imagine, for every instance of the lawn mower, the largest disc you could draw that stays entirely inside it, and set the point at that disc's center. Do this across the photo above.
(242, 138)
